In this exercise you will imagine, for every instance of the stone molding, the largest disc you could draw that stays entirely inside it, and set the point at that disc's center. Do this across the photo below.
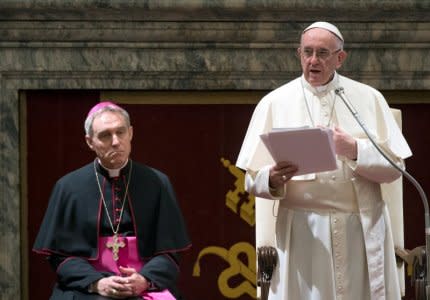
(204, 10)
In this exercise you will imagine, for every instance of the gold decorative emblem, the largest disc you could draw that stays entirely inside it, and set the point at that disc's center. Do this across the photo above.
(233, 197)
(237, 267)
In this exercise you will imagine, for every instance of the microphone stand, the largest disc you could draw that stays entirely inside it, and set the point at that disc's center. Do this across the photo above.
(340, 92)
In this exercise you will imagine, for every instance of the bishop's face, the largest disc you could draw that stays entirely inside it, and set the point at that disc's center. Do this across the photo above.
(111, 139)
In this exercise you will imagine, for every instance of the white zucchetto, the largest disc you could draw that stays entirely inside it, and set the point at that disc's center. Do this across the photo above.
(327, 26)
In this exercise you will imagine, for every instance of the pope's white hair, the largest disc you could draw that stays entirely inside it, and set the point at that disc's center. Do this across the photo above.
(329, 27)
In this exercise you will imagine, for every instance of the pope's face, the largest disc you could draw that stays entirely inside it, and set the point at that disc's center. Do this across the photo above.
(111, 139)
(320, 55)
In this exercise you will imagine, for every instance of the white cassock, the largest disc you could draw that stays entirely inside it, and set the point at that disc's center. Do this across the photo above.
(333, 232)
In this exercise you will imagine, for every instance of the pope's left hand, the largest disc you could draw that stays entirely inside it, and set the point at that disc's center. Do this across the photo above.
(344, 143)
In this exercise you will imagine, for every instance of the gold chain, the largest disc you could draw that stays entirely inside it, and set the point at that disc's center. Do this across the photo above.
(104, 202)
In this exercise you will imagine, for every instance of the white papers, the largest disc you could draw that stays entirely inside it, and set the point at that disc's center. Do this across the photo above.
(311, 149)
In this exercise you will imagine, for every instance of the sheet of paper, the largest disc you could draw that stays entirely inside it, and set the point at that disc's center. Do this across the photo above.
(311, 149)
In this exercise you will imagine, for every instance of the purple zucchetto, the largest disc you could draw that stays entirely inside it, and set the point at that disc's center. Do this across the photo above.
(101, 105)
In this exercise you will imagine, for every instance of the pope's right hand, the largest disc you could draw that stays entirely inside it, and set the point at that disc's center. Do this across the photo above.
(280, 173)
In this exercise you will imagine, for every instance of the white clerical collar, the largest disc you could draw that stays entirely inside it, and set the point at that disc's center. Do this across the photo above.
(113, 172)
(322, 88)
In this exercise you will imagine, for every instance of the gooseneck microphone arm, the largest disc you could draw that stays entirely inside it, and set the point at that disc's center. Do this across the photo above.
(340, 92)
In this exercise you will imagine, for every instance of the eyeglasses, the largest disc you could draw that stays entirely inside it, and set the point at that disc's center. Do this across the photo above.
(321, 54)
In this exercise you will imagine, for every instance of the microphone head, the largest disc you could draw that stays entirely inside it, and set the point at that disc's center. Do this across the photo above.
(339, 90)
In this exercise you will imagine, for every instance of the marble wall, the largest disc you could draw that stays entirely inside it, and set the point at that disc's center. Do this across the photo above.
(182, 45)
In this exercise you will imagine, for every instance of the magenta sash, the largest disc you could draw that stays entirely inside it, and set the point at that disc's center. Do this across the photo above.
(128, 257)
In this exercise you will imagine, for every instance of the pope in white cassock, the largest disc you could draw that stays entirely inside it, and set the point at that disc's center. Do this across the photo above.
(333, 232)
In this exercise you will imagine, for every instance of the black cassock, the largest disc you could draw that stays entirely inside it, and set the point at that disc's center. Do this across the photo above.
(76, 218)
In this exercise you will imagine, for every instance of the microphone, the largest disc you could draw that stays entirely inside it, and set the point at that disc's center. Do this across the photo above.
(340, 92)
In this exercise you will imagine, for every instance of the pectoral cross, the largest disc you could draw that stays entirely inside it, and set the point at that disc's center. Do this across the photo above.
(115, 245)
